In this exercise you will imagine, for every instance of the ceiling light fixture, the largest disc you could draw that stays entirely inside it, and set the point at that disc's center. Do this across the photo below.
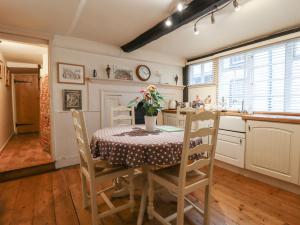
(236, 5)
(180, 6)
(216, 8)
(212, 18)
(168, 22)
(196, 31)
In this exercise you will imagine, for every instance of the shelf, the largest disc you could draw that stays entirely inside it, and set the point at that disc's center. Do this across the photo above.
(132, 82)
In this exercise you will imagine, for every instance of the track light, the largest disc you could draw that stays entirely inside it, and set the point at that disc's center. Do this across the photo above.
(196, 31)
(168, 22)
(236, 5)
(212, 18)
(180, 6)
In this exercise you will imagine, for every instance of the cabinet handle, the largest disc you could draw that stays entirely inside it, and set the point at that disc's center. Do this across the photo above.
(249, 128)
(241, 141)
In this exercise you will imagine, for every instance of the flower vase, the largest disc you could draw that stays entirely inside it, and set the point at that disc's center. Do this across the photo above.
(150, 123)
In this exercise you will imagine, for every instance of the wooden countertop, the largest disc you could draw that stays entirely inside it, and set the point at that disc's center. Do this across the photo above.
(261, 116)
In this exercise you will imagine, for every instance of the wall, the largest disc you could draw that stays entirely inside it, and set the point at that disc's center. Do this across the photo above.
(6, 114)
(97, 56)
(203, 92)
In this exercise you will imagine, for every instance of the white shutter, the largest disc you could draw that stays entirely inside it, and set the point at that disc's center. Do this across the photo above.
(267, 79)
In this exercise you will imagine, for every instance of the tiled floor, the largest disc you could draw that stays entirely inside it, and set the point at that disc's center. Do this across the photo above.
(23, 151)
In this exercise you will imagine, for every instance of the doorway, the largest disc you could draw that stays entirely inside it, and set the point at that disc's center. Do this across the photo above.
(27, 142)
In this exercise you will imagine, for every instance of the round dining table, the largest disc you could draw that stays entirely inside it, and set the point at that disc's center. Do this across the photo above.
(133, 146)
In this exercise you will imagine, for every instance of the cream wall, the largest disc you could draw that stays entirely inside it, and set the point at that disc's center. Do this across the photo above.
(97, 56)
(203, 92)
(6, 114)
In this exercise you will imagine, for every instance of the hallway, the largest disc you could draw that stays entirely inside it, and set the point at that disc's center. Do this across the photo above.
(23, 151)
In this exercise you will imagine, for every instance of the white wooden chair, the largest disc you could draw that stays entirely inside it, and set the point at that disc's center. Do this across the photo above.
(95, 172)
(121, 114)
(186, 177)
(180, 115)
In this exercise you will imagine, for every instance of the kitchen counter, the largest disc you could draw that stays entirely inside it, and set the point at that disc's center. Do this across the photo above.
(272, 117)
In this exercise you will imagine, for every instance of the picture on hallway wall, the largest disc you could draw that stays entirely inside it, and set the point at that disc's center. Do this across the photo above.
(7, 76)
(72, 99)
(1, 70)
(70, 73)
(123, 73)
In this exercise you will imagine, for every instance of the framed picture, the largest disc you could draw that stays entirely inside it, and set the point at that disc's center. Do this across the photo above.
(70, 73)
(123, 73)
(1, 70)
(7, 76)
(72, 99)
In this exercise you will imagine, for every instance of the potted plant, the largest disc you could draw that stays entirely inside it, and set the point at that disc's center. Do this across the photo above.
(151, 102)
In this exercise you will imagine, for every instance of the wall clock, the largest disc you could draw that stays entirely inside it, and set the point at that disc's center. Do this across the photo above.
(143, 72)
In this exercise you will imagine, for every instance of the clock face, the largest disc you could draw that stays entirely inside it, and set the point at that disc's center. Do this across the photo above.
(143, 72)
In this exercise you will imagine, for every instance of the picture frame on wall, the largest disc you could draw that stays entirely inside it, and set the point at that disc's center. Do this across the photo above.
(70, 73)
(123, 73)
(1, 70)
(7, 76)
(72, 99)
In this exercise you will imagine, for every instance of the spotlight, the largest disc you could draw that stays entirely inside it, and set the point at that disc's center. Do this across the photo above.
(168, 22)
(212, 18)
(196, 31)
(236, 5)
(180, 6)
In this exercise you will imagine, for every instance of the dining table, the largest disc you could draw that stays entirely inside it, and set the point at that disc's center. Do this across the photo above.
(135, 147)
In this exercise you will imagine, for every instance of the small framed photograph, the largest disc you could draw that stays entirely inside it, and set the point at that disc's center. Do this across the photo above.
(72, 99)
(70, 73)
(1, 70)
(123, 73)
(7, 76)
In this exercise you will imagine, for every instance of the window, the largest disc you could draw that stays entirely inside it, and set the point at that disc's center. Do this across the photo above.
(265, 79)
(201, 73)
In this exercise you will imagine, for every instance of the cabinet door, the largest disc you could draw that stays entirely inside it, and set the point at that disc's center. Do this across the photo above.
(231, 150)
(273, 149)
(169, 119)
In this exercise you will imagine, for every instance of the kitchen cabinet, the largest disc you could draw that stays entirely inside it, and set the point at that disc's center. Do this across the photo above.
(273, 149)
(170, 119)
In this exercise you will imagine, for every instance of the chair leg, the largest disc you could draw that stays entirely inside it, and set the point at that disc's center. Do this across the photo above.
(180, 208)
(150, 197)
(207, 205)
(94, 207)
(131, 192)
(85, 200)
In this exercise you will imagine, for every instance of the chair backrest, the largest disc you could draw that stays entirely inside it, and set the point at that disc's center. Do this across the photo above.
(180, 116)
(120, 114)
(82, 140)
(208, 148)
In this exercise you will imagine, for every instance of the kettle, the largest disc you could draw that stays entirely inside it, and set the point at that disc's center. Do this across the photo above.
(172, 104)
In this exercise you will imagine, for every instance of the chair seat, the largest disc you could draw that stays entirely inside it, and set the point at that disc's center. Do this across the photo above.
(171, 174)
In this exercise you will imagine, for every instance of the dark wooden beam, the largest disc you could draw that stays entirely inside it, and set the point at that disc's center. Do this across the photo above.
(249, 42)
(195, 9)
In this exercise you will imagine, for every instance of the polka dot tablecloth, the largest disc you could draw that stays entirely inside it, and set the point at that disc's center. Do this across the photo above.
(135, 147)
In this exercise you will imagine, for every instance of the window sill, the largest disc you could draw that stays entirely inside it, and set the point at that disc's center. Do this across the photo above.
(201, 85)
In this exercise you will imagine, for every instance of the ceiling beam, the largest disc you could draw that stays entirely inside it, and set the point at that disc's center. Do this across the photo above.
(195, 9)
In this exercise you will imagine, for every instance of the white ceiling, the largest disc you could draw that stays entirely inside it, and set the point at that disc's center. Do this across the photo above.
(117, 22)
(19, 52)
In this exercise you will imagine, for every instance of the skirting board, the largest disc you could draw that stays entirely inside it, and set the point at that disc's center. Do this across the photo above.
(5, 143)
(260, 177)
(74, 160)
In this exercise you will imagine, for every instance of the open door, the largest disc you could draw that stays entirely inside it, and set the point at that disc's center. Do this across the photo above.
(27, 103)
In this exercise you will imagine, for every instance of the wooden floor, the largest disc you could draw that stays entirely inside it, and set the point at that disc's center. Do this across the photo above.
(55, 199)
(23, 151)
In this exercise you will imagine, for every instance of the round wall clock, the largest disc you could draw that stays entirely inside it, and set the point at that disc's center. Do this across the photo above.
(143, 72)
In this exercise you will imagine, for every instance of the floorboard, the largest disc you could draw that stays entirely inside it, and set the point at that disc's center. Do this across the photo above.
(55, 199)
(23, 151)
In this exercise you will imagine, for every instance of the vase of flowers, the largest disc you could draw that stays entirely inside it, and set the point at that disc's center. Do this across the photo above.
(151, 101)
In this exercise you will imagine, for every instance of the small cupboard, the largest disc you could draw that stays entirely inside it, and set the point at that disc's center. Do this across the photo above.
(273, 149)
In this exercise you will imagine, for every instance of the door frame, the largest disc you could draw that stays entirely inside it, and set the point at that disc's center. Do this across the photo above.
(40, 39)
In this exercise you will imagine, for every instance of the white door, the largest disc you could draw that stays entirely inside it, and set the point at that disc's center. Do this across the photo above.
(273, 149)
